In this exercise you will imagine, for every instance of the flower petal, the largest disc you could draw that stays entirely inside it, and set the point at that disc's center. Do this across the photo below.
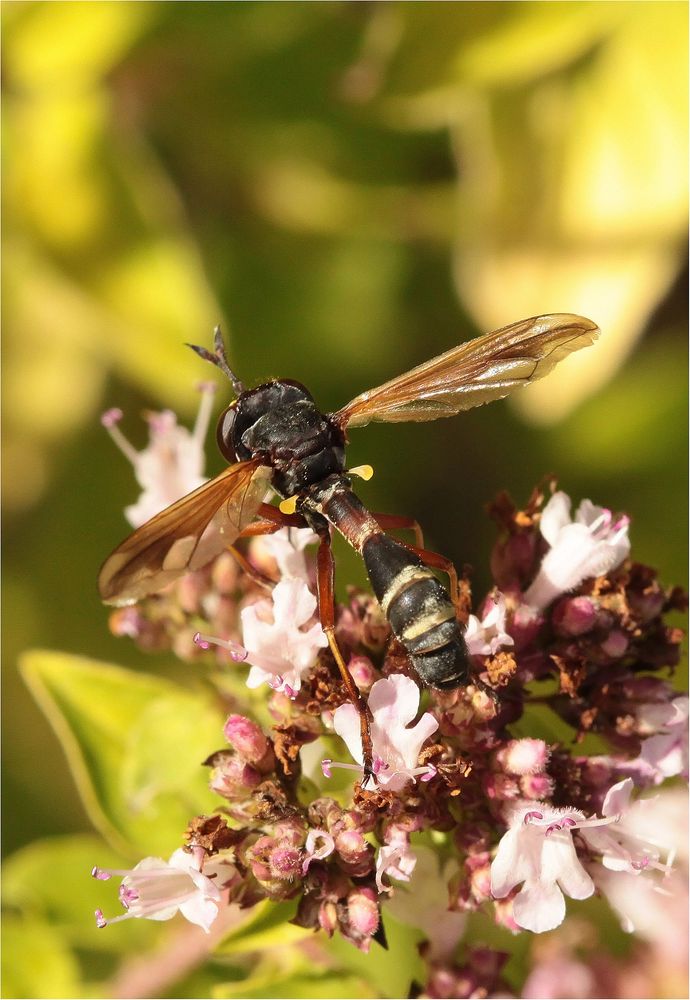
(347, 726)
(555, 516)
(539, 907)
(617, 798)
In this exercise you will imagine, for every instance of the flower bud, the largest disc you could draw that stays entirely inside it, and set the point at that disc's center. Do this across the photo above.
(526, 756)
(537, 786)
(356, 853)
(512, 559)
(647, 603)
(285, 862)
(574, 615)
(500, 786)
(324, 813)
(616, 644)
(246, 738)
(480, 882)
(328, 917)
(232, 777)
(363, 912)
(525, 626)
(363, 672)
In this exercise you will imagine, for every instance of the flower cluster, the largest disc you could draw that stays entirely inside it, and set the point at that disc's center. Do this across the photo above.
(461, 814)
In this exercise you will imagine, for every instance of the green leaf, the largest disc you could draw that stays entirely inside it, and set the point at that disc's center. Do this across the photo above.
(50, 881)
(134, 743)
(268, 927)
(36, 961)
(390, 971)
(302, 985)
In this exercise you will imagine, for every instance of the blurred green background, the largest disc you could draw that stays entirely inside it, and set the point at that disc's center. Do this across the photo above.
(349, 188)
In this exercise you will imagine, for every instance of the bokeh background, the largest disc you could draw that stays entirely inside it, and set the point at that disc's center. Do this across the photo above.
(349, 188)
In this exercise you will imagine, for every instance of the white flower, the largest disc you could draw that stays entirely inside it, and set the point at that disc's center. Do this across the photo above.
(619, 842)
(651, 899)
(171, 465)
(276, 644)
(397, 860)
(423, 903)
(486, 637)
(156, 889)
(312, 852)
(286, 547)
(589, 546)
(667, 752)
(393, 703)
(538, 851)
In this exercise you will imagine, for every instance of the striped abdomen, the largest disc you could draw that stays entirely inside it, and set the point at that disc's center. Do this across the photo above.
(417, 606)
(419, 610)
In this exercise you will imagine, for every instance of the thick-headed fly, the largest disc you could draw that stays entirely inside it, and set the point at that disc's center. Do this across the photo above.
(276, 439)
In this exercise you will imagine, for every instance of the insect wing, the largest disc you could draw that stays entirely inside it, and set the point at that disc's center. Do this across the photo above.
(185, 536)
(476, 372)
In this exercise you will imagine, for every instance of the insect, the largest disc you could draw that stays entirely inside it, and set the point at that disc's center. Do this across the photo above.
(275, 438)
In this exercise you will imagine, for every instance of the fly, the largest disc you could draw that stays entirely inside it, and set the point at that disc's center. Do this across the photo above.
(275, 438)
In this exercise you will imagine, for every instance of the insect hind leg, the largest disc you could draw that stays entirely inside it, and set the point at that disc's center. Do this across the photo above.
(326, 596)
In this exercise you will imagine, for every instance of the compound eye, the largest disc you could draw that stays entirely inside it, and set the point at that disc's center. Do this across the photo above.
(224, 435)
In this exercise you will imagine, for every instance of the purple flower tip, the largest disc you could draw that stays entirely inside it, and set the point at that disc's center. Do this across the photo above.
(379, 765)
(532, 816)
(326, 767)
(98, 873)
(201, 643)
(568, 821)
(239, 655)
(430, 773)
(101, 922)
(127, 896)
(111, 417)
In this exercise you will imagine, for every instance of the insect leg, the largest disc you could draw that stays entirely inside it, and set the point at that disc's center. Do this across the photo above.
(391, 522)
(436, 561)
(325, 586)
(273, 521)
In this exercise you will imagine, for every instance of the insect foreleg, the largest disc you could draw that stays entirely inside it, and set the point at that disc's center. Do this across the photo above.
(325, 586)
(273, 520)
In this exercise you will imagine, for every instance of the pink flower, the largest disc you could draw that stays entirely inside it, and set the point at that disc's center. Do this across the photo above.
(279, 649)
(486, 637)
(171, 465)
(667, 752)
(423, 903)
(276, 645)
(157, 889)
(393, 703)
(524, 756)
(286, 547)
(589, 546)
(396, 860)
(538, 851)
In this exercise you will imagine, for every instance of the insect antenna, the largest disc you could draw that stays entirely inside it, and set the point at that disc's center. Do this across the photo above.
(219, 359)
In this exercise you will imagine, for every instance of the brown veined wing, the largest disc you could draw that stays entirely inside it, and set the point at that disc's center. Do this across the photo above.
(184, 536)
(476, 372)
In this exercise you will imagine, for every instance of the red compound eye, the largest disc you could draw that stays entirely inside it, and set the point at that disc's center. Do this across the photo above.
(224, 435)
